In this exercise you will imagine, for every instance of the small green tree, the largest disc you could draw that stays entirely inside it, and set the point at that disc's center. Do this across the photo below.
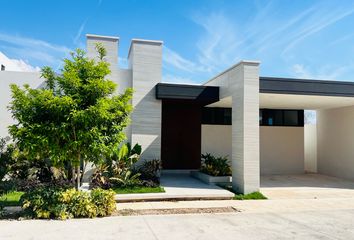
(76, 118)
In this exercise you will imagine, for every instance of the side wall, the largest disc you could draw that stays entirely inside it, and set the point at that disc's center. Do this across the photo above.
(310, 148)
(145, 59)
(216, 139)
(335, 141)
(282, 150)
(7, 78)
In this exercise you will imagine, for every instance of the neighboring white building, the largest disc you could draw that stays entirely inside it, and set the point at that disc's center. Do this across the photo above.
(33, 79)
(258, 122)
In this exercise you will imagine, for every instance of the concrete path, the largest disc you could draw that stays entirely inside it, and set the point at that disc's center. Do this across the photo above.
(180, 187)
(313, 224)
(306, 186)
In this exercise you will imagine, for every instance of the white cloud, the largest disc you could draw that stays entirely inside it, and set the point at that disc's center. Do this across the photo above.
(32, 43)
(16, 64)
(316, 24)
(33, 50)
(79, 32)
(324, 72)
(219, 42)
(168, 78)
(173, 59)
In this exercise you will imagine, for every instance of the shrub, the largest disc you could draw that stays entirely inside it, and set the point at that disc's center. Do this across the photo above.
(5, 157)
(150, 170)
(78, 203)
(100, 178)
(2, 211)
(7, 186)
(126, 179)
(215, 166)
(61, 203)
(118, 170)
(104, 201)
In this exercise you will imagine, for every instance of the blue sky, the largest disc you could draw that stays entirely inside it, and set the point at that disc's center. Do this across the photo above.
(305, 39)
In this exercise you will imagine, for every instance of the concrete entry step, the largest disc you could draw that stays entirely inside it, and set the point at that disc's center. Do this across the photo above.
(180, 187)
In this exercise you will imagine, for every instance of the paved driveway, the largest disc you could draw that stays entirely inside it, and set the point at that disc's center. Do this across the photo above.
(306, 186)
(325, 224)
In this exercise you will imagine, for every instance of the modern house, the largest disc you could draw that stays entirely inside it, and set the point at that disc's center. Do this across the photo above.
(258, 122)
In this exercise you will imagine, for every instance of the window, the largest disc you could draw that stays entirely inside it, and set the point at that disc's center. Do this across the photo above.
(277, 117)
(216, 116)
(267, 117)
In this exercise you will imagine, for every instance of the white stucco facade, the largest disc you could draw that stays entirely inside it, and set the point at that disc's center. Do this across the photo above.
(33, 79)
(144, 72)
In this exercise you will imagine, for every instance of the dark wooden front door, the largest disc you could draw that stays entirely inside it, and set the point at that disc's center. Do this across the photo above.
(181, 135)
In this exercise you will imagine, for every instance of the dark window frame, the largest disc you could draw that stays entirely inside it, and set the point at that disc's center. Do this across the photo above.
(223, 116)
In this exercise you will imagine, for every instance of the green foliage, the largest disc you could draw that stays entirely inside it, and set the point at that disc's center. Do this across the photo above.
(7, 186)
(2, 211)
(126, 179)
(118, 171)
(6, 159)
(104, 201)
(78, 204)
(150, 170)
(60, 203)
(215, 166)
(77, 118)
(45, 203)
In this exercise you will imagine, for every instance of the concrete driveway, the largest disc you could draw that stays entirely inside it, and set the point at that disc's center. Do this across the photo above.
(325, 224)
(306, 186)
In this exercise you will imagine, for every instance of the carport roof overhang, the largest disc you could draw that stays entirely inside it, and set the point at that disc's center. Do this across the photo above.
(281, 93)
(289, 93)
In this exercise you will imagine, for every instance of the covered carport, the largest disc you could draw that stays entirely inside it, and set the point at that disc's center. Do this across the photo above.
(258, 150)
(312, 161)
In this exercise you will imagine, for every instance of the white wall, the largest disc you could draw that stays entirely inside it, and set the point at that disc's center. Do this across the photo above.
(7, 78)
(281, 150)
(145, 59)
(241, 83)
(122, 77)
(335, 142)
(310, 142)
(216, 139)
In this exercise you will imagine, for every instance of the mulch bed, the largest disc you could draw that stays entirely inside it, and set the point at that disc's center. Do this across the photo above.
(130, 212)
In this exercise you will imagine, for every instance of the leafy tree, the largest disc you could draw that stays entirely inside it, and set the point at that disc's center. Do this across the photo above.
(76, 118)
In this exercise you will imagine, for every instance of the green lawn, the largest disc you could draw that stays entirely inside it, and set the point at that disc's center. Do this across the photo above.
(11, 199)
(250, 196)
(127, 190)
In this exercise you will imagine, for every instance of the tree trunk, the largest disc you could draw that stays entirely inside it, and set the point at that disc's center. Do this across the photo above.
(73, 175)
(77, 177)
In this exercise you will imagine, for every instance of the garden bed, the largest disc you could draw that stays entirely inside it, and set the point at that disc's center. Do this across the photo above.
(216, 180)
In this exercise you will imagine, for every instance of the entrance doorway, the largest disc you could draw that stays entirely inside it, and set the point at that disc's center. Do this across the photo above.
(181, 135)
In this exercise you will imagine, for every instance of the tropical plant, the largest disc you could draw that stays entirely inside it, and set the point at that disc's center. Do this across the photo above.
(150, 170)
(118, 170)
(126, 179)
(77, 118)
(215, 166)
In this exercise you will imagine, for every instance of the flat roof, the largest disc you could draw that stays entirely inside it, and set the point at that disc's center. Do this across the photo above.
(306, 87)
(195, 93)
